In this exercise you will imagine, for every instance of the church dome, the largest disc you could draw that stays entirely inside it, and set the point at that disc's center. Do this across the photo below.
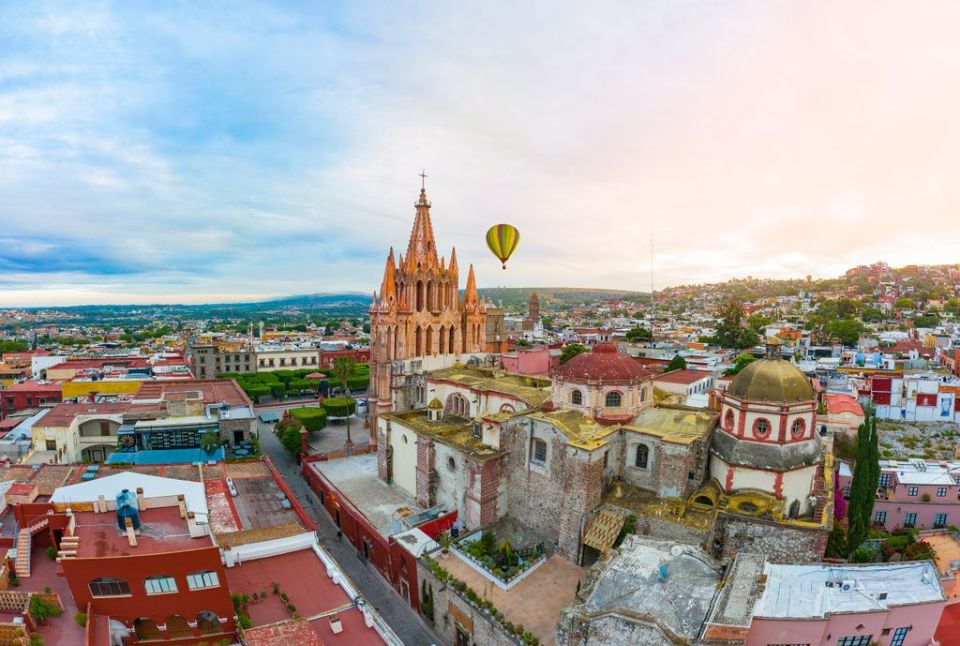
(771, 380)
(603, 363)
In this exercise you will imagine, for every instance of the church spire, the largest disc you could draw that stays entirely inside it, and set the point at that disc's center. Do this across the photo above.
(470, 294)
(422, 249)
(388, 289)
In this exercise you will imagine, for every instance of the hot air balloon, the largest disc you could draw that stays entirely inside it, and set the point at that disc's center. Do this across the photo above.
(503, 240)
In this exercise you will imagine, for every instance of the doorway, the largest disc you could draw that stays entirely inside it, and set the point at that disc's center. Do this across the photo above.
(238, 437)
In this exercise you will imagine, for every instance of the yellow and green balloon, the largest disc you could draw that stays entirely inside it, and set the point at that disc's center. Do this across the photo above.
(503, 240)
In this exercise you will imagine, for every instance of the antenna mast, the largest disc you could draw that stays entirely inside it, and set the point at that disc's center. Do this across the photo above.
(653, 294)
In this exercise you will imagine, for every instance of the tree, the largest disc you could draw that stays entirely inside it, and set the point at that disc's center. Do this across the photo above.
(291, 439)
(741, 362)
(312, 419)
(343, 369)
(339, 406)
(847, 330)
(209, 441)
(13, 346)
(836, 542)
(731, 331)
(570, 351)
(677, 363)
(927, 320)
(639, 334)
(904, 303)
(863, 488)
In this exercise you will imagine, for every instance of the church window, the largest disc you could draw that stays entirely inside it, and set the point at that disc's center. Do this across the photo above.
(614, 399)
(797, 428)
(451, 464)
(642, 459)
(507, 408)
(643, 394)
(538, 451)
(576, 398)
(761, 427)
(728, 420)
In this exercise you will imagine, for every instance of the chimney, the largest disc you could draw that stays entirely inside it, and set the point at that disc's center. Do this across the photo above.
(141, 500)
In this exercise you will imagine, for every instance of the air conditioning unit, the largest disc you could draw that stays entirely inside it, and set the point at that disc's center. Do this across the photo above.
(846, 586)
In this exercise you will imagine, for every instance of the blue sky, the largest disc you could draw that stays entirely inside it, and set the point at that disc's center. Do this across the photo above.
(213, 151)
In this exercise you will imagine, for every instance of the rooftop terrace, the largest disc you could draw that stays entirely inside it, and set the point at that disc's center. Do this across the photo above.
(162, 530)
(815, 591)
(356, 478)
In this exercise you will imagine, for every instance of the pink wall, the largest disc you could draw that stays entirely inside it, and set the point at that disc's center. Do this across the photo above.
(926, 512)
(527, 362)
(923, 617)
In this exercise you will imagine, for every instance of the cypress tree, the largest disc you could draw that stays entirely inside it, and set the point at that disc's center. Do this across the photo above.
(863, 489)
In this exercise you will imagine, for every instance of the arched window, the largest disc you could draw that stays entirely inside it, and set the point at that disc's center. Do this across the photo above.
(538, 451)
(576, 398)
(208, 622)
(761, 427)
(728, 420)
(614, 399)
(797, 428)
(451, 463)
(642, 459)
(160, 584)
(106, 586)
(643, 394)
(507, 408)
(457, 405)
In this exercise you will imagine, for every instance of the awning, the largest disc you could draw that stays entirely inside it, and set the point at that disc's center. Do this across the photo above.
(603, 530)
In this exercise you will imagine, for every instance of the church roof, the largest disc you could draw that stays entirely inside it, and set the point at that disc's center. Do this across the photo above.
(580, 431)
(530, 390)
(772, 380)
(604, 363)
(674, 424)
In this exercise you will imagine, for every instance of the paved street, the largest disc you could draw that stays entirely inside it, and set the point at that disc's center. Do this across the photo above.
(402, 618)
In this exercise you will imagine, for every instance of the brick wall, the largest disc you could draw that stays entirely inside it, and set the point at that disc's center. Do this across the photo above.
(780, 543)
(426, 457)
(483, 483)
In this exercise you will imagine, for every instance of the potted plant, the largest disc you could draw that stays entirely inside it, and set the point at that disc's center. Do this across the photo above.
(336, 626)
(445, 540)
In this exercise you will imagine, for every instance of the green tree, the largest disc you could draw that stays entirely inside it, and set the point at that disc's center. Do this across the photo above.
(639, 334)
(836, 542)
(904, 303)
(343, 369)
(863, 488)
(731, 329)
(13, 346)
(741, 362)
(570, 351)
(927, 320)
(209, 441)
(847, 330)
(677, 363)
(291, 439)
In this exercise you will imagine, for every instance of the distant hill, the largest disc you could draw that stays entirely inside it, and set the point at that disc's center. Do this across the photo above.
(516, 298)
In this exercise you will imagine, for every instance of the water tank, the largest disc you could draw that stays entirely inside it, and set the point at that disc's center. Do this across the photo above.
(127, 507)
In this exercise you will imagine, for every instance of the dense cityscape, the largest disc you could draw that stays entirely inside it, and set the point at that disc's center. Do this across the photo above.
(479, 324)
(467, 466)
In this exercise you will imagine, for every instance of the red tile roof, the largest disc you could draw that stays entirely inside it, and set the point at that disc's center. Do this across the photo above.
(682, 376)
(604, 363)
(837, 403)
(34, 387)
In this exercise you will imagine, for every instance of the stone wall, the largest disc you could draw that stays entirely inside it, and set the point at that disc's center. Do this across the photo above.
(779, 543)
(554, 498)
(426, 487)
(483, 485)
(452, 611)
(673, 470)
(228, 426)
(609, 630)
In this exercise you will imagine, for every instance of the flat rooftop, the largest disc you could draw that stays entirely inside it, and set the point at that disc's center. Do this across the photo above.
(302, 576)
(685, 377)
(535, 602)
(161, 530)
(815, 591)
(674, 424)
(356, 478)
(632, 584)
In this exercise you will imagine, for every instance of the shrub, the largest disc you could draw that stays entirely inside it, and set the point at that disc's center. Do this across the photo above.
(41, 609)
(339, 406)
(919, 551)
(866, 553)
(313, 419)
(925, 497)
(81, 619)
(244, 620)
(51, 553)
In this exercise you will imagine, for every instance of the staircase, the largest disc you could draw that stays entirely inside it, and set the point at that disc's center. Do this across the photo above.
(25, 545)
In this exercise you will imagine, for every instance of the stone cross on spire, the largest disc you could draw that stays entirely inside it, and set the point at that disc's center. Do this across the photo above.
(423, 179)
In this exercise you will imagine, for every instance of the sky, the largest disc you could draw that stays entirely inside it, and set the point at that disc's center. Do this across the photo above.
(226, 151)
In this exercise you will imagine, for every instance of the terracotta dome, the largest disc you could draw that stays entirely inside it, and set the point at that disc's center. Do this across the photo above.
(603, 363)
(772, 380)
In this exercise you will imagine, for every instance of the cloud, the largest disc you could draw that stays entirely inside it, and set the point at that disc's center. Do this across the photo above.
(190, 151)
